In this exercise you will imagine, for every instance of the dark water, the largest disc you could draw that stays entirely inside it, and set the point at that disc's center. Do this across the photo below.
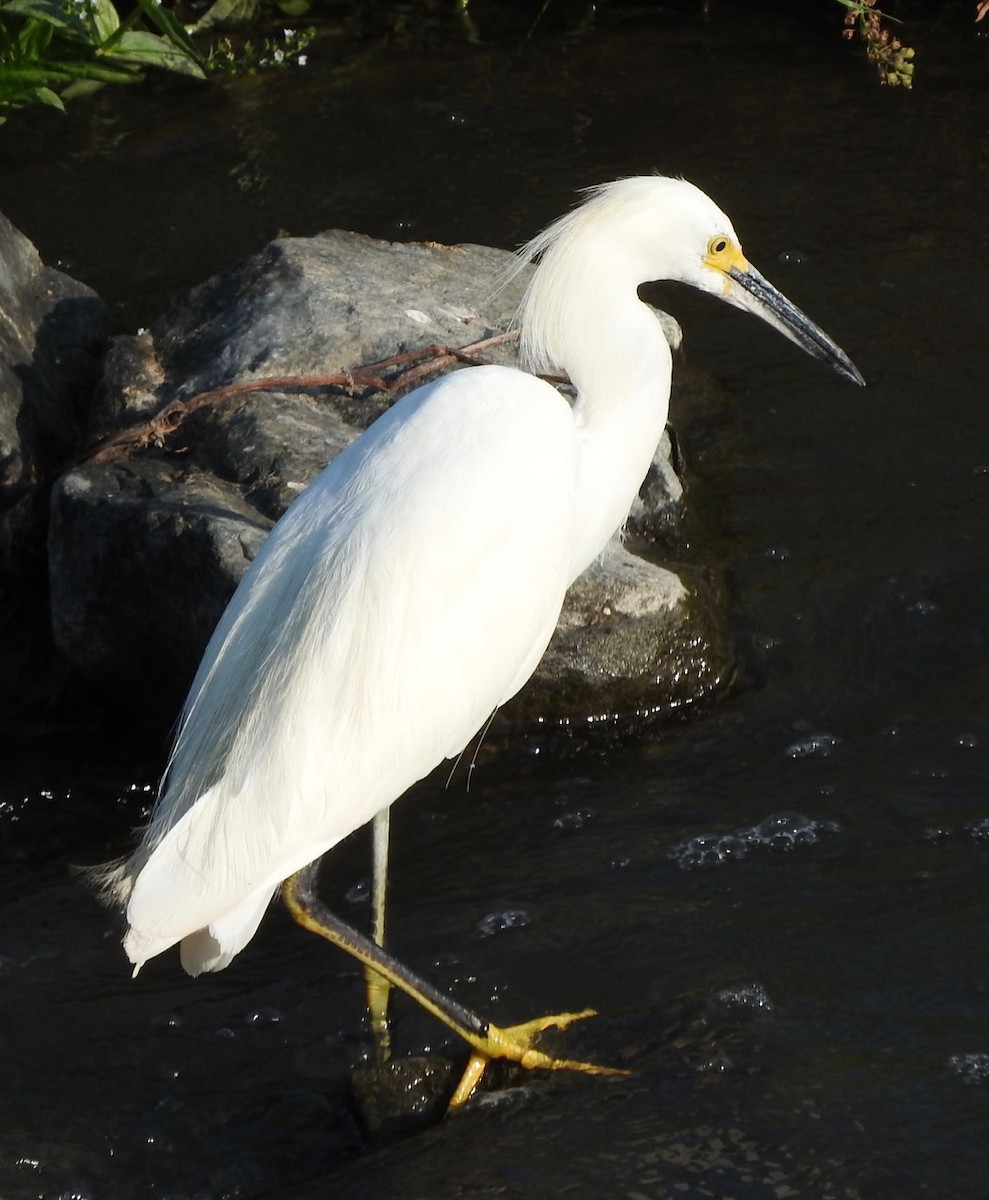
(803, 1003)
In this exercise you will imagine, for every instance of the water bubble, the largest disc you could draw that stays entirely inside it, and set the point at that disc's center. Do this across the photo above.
(264, 1015)
(574, 820)
(820, 744)
(708, 850)
(496, 922)
(923, 608)
(751, 997)
(782, 831)
(978, 829)
(358, 893)
(973, 1068)
(166, 1020)
(717, 1063)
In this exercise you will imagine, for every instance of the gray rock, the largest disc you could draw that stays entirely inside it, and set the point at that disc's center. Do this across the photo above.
(144, 556)
(313, 307)
(401, 1096)
(633, 637)
(53, 332)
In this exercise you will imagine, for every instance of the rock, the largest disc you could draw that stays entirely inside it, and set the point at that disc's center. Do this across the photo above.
(401, 1096)
(53, 332)
(317, 306)
(52, 337)
(144, 556)
(633, 637)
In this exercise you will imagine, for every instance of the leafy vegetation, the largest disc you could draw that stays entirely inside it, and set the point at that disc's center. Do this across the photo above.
(52, 50)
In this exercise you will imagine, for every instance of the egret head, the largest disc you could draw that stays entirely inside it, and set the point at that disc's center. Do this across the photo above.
(725, 271)
(652, 228)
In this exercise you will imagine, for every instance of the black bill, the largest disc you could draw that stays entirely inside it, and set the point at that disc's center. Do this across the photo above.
(762, 298)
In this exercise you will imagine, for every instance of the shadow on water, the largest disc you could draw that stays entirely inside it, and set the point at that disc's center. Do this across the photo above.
(778, 907)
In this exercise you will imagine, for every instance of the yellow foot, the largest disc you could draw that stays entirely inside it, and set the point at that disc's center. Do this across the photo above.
(516, 1043)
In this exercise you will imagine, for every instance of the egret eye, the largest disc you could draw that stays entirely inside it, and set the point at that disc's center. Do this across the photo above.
(718, 245)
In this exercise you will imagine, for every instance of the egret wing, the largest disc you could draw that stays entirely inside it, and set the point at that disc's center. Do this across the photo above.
(406, 594)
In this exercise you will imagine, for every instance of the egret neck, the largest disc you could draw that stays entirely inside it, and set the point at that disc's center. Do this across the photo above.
(620, 363)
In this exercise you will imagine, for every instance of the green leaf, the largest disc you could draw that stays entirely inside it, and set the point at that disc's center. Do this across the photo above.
(22, 83)
(45, 95)
(294, 8)
(16, 96)
(229, 13)
(171, 27)
(86, 87)
(33, 39)
(59, 15)
(19, 79)
(104, 18)
(147, 49)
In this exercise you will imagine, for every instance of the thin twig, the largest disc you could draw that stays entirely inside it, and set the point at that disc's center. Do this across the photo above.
(426, 360)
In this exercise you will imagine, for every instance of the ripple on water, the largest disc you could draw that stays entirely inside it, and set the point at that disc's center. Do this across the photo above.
(748, 997)
(972, 1068)
(569, 822)
(498, 922)
(819, 745)
(977, 830)
(782, 831)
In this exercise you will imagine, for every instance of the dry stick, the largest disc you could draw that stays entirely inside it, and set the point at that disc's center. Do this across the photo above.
(168, 419)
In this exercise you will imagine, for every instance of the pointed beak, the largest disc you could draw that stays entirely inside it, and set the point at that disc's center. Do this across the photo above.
(750, 290)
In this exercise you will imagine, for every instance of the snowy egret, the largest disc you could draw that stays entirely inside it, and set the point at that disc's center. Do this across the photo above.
(414, 586)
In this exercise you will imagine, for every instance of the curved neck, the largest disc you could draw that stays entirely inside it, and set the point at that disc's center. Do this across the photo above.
(622, 404)
(582, 314)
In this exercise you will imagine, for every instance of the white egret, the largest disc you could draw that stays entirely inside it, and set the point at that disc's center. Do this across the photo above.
(414, 586)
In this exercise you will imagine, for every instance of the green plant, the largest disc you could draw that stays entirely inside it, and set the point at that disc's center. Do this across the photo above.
(50, 49)
(228, 57)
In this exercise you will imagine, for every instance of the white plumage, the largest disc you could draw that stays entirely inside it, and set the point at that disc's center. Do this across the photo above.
(416, 583)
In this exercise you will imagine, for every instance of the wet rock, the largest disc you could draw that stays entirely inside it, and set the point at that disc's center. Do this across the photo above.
(144, 556)
(149, 537)
(52, 336)
(53, 332)
(403, 1095)
(632, 637)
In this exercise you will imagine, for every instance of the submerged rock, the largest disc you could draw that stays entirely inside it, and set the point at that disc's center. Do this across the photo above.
(401, 1096)
(205, 428)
